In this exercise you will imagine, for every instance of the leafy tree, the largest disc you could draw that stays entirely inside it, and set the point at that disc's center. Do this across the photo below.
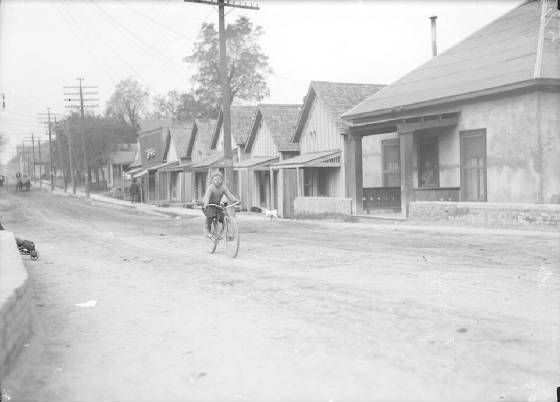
(247, 65)
(128, 103)
(102, 134)
(181, 107)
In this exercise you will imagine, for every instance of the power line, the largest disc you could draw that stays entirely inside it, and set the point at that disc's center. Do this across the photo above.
(156, 22)
(118, 54)
(132, 34)
(70, 19)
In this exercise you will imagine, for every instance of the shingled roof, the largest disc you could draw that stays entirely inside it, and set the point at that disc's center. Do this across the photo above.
(281, 121)
(241, 120)
(180, 137)
(202, 133)
(502, 53)
(337, 97)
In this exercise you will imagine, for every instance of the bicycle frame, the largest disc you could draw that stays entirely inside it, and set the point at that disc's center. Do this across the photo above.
(229, 222)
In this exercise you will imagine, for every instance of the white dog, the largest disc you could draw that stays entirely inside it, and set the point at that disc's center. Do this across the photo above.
(270, 213)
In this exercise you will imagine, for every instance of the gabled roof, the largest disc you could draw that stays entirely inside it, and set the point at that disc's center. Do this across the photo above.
(202, 133)
(337, 97)
(281, 121)
(241, 120)
(153, 146)
(501, 54)
(180, 137)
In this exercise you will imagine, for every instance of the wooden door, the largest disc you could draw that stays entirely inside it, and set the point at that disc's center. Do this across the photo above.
(473, 165)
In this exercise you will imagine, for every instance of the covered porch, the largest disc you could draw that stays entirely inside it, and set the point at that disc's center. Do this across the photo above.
(257, 182)
(411, 166)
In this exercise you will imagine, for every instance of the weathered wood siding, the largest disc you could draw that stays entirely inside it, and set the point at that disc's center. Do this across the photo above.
(238, 152)
(263, 145)
(320, 132)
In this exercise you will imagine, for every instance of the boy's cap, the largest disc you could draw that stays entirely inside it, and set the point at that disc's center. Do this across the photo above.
(219, 174)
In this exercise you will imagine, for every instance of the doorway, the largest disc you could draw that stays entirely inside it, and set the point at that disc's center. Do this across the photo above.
(473, 165)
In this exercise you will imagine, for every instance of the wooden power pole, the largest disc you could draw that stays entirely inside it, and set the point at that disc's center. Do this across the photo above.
(68, 137)
(224, 80)
(81, 108)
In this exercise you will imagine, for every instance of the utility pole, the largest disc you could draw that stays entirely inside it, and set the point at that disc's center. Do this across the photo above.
(224, 80)
(69, 137)
(40, 165)
(23, 162)
(59, 154)
(33, 150)
(48, 122)
(81, 107)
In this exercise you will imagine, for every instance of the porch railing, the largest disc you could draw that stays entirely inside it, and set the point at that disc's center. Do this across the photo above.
(381, 198)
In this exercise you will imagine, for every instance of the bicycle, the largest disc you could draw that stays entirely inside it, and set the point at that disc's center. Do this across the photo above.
(230, 231)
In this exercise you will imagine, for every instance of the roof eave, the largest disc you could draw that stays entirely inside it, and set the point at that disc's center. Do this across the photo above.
(395, 111)
(304, 113)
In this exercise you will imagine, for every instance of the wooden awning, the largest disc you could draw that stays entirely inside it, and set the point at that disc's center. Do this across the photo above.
(314, 159)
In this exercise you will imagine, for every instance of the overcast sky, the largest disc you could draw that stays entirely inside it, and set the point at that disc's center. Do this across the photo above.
(47, 44)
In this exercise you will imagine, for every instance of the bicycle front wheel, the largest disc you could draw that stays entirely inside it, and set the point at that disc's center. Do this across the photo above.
(212, 240)
(232, 237)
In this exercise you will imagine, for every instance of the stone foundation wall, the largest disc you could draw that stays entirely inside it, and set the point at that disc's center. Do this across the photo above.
(322, 207)
(15, 302)
(530, 216)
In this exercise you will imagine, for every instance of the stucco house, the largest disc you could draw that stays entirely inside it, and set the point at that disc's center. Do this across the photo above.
(478, 122)
(269, 141)
(318, 172)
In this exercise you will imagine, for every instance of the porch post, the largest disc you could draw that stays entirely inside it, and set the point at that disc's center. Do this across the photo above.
(354, 178)
(271, 193)
(299, 193)
(407, 188)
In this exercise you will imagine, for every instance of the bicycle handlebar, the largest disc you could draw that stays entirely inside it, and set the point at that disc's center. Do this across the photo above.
(223, 207)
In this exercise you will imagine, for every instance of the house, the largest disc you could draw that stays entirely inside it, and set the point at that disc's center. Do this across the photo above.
(155, 151)
(269, 141)
(318, 173)
(241, 120)
(478, 122)
(118, 163)
(171, 176)
(199, 158)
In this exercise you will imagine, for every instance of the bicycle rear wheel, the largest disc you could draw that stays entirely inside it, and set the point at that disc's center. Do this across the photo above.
(211, 242)
(232, 237)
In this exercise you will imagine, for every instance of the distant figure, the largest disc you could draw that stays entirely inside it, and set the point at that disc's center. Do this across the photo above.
(134, 192)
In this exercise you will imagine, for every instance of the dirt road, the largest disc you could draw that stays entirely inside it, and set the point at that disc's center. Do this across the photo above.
(309, 311)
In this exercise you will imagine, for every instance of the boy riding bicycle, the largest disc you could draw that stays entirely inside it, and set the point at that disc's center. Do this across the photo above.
(213, 195)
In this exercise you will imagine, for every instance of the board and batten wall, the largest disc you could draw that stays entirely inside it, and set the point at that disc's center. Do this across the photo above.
(321, 133)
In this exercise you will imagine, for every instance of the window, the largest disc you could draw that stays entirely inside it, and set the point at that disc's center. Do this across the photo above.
(391, 163)
(428, 164)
